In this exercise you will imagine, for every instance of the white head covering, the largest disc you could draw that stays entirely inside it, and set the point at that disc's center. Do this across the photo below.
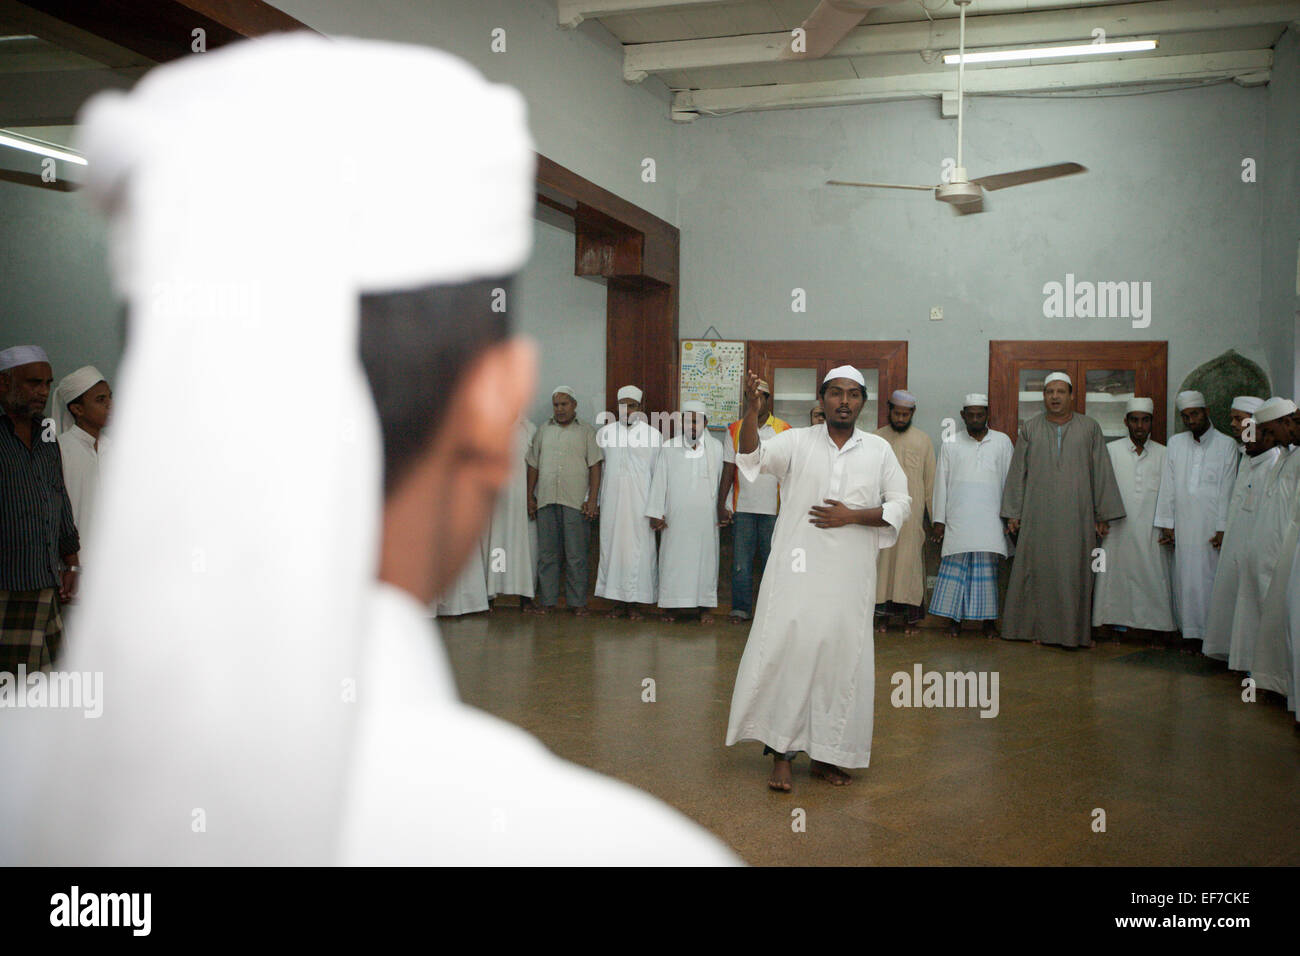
(213, 637)
(845, 371)
(70, 388)
(565, 390)
(1189, 399)
(1057, 377)
(1140, 405)
(976, 398)
(629, 391)
(698, 407)
(903, 398)
(1246, 403)
(1275, 408)
(22, 355)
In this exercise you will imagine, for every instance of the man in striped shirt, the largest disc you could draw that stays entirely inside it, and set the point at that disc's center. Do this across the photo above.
(36, 525)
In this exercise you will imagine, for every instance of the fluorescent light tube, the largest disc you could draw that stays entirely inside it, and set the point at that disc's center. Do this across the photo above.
(1042, 53)
(40, 147)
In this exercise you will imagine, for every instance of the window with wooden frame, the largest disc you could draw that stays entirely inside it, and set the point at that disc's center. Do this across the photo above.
(795, 370)
(1105, 376)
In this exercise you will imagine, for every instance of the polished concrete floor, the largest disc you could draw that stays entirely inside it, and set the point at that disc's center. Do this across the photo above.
(1185, 771)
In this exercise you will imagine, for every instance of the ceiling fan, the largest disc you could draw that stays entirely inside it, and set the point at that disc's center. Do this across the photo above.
(963, 194)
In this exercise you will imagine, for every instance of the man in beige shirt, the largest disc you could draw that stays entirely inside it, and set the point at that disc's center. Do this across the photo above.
(564, 463)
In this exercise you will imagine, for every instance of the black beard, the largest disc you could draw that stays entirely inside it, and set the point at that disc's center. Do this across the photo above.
(976, 432)
(900, 428)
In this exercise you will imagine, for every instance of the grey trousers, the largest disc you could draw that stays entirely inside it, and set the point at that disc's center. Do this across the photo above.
(561, 528)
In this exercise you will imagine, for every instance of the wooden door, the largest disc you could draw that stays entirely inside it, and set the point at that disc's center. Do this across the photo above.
(795, 370)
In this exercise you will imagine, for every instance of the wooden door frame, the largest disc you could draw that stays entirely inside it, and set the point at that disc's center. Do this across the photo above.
(890, 357)
(1149, 359)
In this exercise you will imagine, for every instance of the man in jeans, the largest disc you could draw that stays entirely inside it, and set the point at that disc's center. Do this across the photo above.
(750, 507)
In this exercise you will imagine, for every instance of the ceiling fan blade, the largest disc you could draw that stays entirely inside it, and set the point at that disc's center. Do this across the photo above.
(1022, 176)
(841, 182)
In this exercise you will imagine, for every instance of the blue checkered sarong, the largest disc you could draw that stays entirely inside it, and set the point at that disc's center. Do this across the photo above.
(967, 587)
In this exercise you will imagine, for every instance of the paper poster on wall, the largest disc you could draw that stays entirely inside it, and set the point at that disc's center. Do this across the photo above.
(713, 372)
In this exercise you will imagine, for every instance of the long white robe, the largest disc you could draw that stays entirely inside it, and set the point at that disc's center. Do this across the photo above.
(469, 594)
(512, 542)
(684, 492)
(1264, 652)
(1136, 589)
(403, 808)
(1275, 654)
(1194, 494)
(628, 564)
(807, 676)
(1233, 583)
(1218, 622)
(81, 475)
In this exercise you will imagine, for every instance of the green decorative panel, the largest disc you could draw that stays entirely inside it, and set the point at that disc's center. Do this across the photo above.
(1221, 380)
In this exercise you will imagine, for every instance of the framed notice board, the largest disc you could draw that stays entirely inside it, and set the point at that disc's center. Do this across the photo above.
(713, 372)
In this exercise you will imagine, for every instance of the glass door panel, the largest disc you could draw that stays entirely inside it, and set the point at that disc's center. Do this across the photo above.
(794, 392)
(1107, 392)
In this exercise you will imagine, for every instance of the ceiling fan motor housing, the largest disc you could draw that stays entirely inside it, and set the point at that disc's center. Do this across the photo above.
(958, 190)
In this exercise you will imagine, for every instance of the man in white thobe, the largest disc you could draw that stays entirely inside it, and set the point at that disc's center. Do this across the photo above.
(807, 676)
(967, 519)
(1234, 580)
(1263, 550)
(683, 507)
(1276, 653)
(512, 542)
(1134, 588)
(83, 402)
(1243, 407)
(324, 564)
(628, 573)
(1192, 507)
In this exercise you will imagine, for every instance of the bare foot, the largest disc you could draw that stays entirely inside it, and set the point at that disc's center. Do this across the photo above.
(781, 779)
(954, 629)
(991, 630)
(706, 618)
(667, 618)
(539, 609)
(580, 612)
(910, 629)
(634, 615)
(618, 610)
(830, 773)
(736, 619)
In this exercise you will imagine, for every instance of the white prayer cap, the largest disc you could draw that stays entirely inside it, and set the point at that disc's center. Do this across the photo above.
(629, 391)
(1140, 405)
(902, 398)
(1275, 408)
(275, 109)
(565, 390)
(22, 355)
(845, 371)
(1057, 377)
(70, 388)
(1246, 403)
(241, 210)
(1189, 399)
(698, 407)
(976, 398)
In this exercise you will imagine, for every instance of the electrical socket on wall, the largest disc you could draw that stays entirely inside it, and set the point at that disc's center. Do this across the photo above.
(936, 313)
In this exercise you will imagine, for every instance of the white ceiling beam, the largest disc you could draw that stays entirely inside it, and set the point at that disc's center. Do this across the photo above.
(1012, 79)
(1011, 29)
(573, 12)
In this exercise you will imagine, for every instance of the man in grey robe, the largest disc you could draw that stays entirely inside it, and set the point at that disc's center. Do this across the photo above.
(1060, 496)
